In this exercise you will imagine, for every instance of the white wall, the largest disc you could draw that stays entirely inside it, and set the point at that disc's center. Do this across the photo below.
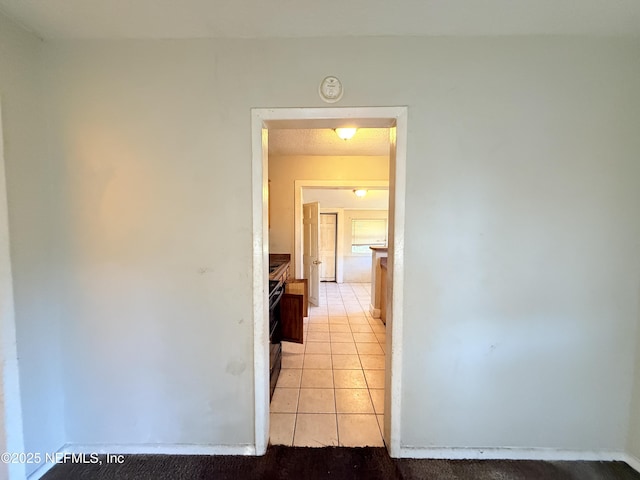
(32, 240)
(523, 224)
(521, 232)
(357, 267)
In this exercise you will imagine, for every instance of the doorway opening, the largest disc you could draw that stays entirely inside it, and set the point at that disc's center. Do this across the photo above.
(337, 196)
(394, 119)
(328, 246)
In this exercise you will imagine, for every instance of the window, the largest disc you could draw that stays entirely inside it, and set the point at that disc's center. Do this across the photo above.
(368, 232)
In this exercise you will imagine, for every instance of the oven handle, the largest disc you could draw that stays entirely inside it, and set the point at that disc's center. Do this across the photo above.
(276, 297)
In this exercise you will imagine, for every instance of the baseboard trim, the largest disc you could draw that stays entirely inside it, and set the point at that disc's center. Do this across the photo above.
(405, 452)
(44, 468)
(511, 454)
(632, 461)
(162, 449)
(146, 449)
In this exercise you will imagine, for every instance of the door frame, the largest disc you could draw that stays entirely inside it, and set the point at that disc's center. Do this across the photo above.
(12, 433)
(395, 118)
(339, 213)
(335, 244)
(299, 186)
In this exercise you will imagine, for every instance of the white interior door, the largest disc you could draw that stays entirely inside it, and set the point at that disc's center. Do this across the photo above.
(328, 232)
(310, 255)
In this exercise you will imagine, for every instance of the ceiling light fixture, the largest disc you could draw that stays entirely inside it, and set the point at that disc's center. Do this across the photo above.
(361, 192)
(345, 133)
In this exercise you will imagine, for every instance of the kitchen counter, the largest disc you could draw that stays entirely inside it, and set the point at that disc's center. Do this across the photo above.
(279, 266)
(377, 255)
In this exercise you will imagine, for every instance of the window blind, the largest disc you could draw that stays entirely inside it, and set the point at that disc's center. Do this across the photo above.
(368, 232)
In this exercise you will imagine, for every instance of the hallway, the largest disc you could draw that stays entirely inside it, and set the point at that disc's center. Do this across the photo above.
(331, 388)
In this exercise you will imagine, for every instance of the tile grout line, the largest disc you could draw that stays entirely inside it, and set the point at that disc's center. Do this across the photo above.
(349, 328)
(333, 379)
(367, 381)
(304, 353)
(334, 384)
(334, 392)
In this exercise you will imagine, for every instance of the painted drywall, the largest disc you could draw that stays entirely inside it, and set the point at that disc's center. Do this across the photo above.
(32, 216)
(521, 217)
(285, 170)
(357, 267)
(521, 279)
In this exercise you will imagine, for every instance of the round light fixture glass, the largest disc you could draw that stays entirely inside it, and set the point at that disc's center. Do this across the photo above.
(346, 133)
(360, 192)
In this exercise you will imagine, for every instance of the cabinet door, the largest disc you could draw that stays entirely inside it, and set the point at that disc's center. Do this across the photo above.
(299, 287)
(291, 319)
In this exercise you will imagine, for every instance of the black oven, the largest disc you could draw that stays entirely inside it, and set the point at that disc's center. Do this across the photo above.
(276, 290)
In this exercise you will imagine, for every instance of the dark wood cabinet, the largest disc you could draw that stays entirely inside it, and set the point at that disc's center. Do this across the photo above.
(299, 287)
(294, 306)
(291, 319)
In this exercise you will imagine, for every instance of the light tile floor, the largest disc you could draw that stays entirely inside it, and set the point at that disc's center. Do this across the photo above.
(331, 388)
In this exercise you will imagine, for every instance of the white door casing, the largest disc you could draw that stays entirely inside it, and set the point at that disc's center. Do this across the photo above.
(300, 187)
(311, 251)
(263, 119)
(11, 434)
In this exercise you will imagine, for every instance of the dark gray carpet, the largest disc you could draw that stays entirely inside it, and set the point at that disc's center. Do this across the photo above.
(335, 463)
(514, 470)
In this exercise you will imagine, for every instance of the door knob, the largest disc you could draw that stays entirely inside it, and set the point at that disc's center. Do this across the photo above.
(317, 262)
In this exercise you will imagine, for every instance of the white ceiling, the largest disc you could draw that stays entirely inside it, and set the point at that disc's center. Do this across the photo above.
(345, 198)
(324, 141)
(306, 18)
